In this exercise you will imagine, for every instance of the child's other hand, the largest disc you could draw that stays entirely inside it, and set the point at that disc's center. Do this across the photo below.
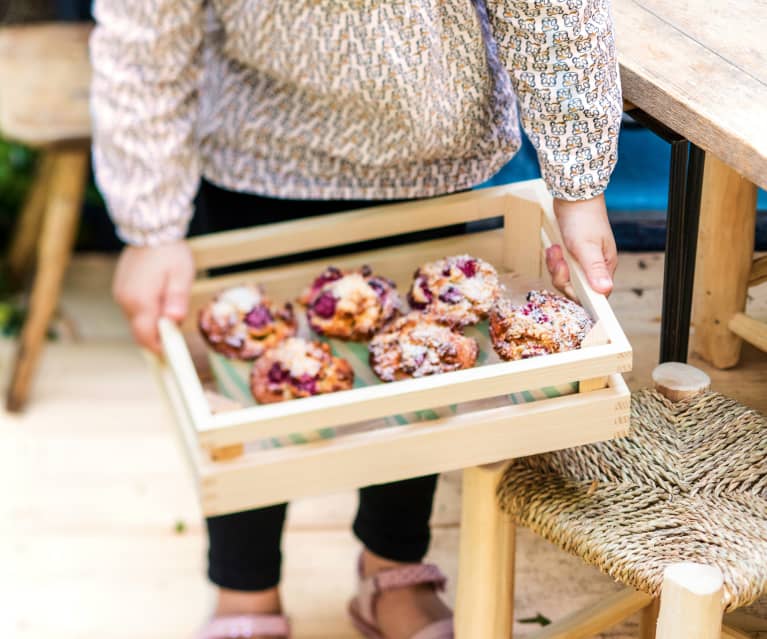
(587, 235)
(153, 282)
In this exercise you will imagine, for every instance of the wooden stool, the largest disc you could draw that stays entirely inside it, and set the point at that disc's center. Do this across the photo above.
(677, 511)
(45, 75)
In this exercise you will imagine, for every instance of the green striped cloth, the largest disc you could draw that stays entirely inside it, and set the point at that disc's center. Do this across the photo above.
(232, 381)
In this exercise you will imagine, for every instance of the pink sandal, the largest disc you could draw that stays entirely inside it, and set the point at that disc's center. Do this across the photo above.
(362, 607)
(244, 626)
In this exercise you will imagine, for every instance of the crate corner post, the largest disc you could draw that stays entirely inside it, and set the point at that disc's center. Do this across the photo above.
(596, 337)
(522, 223)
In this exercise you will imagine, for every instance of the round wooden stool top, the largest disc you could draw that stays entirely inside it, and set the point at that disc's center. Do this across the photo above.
(45, 75)
(677, 381)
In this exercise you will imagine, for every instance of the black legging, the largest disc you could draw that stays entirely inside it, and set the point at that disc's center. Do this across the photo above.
(392, 519)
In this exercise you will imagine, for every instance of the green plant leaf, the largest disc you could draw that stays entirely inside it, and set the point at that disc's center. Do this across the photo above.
(11, 318)
(539, 619)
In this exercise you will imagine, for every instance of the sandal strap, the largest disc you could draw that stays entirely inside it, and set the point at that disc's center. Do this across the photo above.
(437, 630)
(407, 576)
(243, 626)
(393, 579)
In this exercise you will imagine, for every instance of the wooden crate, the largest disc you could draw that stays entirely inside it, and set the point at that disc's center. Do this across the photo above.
(599, 411)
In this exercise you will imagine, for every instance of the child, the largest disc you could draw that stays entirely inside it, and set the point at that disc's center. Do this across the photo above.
(298, 108)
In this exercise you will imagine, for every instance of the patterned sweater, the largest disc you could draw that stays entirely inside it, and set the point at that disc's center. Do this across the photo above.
(344, 99)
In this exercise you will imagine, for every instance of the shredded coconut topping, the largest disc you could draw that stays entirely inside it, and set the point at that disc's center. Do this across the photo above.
(241, 322)
(351, 305)
(297, 356)
(474, 288)
(417, 345)
(459, 289)
(546, 323)
(350, 286)
(224, 312)
(241, 298)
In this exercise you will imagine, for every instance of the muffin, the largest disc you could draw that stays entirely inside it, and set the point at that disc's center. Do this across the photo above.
(298, 368)
(351, 305)
(417, 345)
(242, 323)
(459, 290)
(547, 323)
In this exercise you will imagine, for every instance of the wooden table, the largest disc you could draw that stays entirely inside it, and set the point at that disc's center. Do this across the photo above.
(700, 69)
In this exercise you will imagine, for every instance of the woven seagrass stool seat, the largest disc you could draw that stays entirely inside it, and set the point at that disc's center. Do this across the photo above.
(689, 485)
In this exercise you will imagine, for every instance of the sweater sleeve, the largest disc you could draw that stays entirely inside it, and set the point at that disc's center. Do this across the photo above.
(146, 69)
(560, 55)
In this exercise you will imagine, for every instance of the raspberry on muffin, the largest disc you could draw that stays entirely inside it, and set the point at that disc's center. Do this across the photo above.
(547, 323)
(417, 345)
(242, 323)
(350, 305)
(459, 290)
(298, 368)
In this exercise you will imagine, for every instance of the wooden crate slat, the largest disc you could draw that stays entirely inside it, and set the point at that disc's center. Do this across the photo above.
(400, 452)
(595, 303)
(187, 433)
(397, 263)
(180, 365)
(288, 238)
(521, 231)
(372, 402)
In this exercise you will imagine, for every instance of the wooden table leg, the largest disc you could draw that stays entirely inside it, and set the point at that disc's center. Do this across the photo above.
(21, 251)
(69, 167)
(725, 254)
(485, 594)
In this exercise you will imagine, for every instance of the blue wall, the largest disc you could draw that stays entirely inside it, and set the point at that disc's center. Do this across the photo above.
(640, 179)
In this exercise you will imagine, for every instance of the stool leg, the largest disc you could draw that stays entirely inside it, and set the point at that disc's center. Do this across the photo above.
(648, 620)
(485, 597)
(691, 603)
(67, 184)
(725, 252)
(728, 632)
(21, 252)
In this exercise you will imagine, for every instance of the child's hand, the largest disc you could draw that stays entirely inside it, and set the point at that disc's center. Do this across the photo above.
(151, 283)
(588, 236)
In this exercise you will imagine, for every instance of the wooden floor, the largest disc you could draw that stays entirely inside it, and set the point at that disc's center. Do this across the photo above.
(98, 520)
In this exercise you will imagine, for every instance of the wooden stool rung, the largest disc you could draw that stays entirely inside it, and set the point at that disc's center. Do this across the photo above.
(604, 614)
(749, 329)
(758, 271)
